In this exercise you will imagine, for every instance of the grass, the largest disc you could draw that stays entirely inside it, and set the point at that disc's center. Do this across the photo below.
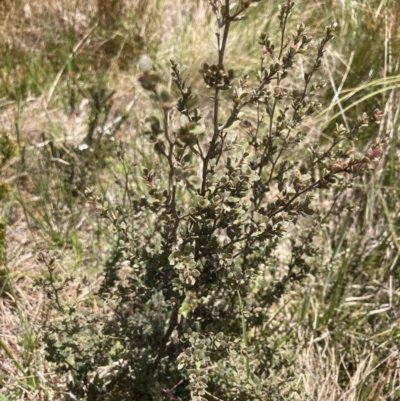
(57, 54)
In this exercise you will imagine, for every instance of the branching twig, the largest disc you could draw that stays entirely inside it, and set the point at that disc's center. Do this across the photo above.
(162, 349)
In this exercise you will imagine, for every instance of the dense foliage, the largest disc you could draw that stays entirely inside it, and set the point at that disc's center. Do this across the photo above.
(225, 229)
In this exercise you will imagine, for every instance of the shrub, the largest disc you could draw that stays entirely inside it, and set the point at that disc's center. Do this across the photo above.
(197, 261)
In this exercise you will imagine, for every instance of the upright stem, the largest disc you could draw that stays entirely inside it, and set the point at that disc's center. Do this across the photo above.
(245, 337)
(268, 148)
(162, 349)
(225, 22)
(171, 176)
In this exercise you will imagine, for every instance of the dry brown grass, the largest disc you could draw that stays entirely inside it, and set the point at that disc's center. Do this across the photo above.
(52, 45)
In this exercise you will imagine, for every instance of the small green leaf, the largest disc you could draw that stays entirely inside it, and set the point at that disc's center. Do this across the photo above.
(184, 120)
(194, 180)
(197, 130)
(232, 125)
(145, 64)
(241, 18)
(195, 273)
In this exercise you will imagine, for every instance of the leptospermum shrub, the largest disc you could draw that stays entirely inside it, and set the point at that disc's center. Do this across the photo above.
(191, 317)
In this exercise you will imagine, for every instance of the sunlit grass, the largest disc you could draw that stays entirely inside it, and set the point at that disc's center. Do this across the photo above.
(55, 53)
